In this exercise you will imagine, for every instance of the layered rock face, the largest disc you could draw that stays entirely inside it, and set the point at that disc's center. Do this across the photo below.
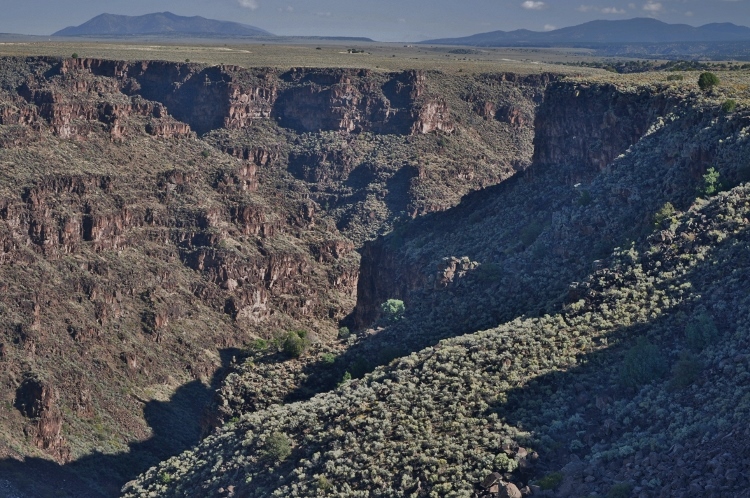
(232, 97)
(155, 218)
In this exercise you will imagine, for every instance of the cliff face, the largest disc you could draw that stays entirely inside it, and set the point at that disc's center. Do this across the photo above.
(583, 128)
(157, 217)
(232, 97)
(604, 158)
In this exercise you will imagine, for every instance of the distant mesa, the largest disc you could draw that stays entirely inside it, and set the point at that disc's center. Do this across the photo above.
(639, 30)
(162, 24)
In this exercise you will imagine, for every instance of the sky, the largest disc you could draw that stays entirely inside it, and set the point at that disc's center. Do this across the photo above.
(382, 20)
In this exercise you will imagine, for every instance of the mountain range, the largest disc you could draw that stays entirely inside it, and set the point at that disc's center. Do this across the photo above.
(639, 30)
(160, 23)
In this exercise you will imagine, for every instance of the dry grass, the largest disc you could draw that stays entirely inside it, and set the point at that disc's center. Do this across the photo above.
(383, 56)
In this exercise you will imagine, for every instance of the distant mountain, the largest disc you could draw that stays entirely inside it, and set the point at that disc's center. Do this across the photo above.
(639, 30)
(161, 23)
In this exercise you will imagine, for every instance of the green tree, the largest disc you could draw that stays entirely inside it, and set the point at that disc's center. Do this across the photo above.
(707, 80)
(666, 212)
(711, 185)
(643, 364)
(685, 371)
(392, 310)
(295, 343)
(344, 333)
(620, 490)
(729, 106)
(277, 447)
(346, 378)
(701, 331)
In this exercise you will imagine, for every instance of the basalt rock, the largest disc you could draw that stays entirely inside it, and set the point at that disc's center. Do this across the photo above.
(585, 127)
(38, 402)
(228, 97)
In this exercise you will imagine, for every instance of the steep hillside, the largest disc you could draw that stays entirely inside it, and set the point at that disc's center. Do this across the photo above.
(611, 287)
(157, 219)
(639, 385)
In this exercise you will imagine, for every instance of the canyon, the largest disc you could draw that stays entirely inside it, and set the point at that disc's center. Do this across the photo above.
(159, 217)
(165, 225)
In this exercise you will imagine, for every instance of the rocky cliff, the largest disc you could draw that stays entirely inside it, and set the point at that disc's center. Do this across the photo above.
(157, 219)
(605, 159)
(591, 307)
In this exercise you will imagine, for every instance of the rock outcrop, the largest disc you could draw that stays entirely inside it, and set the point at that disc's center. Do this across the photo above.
(39, 402)
(583, 128)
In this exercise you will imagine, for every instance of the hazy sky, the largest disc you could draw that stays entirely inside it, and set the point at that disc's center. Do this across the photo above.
(384, 20)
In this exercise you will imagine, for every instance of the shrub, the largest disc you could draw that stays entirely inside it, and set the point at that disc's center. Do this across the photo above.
(729, 105)
(505, 463)
(711, 185)
(75, 55)
(205, 153)
(685, 371)
(344, 333)
(643, 364)
(346, 378)
(278, 447)
(701, 331)
(328, 359)
(584, 198)
(259, 345)
(295, 343)
(675, 77)
(666, 212)
(392, 310)
(323, 483)
(707, 80)
(551, 481)
(620, 490)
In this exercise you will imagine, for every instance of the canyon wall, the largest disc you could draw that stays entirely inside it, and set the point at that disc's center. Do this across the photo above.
(593, 145)
(231, 97)
(156, 218)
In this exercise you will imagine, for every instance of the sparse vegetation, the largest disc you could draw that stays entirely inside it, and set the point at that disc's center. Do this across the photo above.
(565, 347)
